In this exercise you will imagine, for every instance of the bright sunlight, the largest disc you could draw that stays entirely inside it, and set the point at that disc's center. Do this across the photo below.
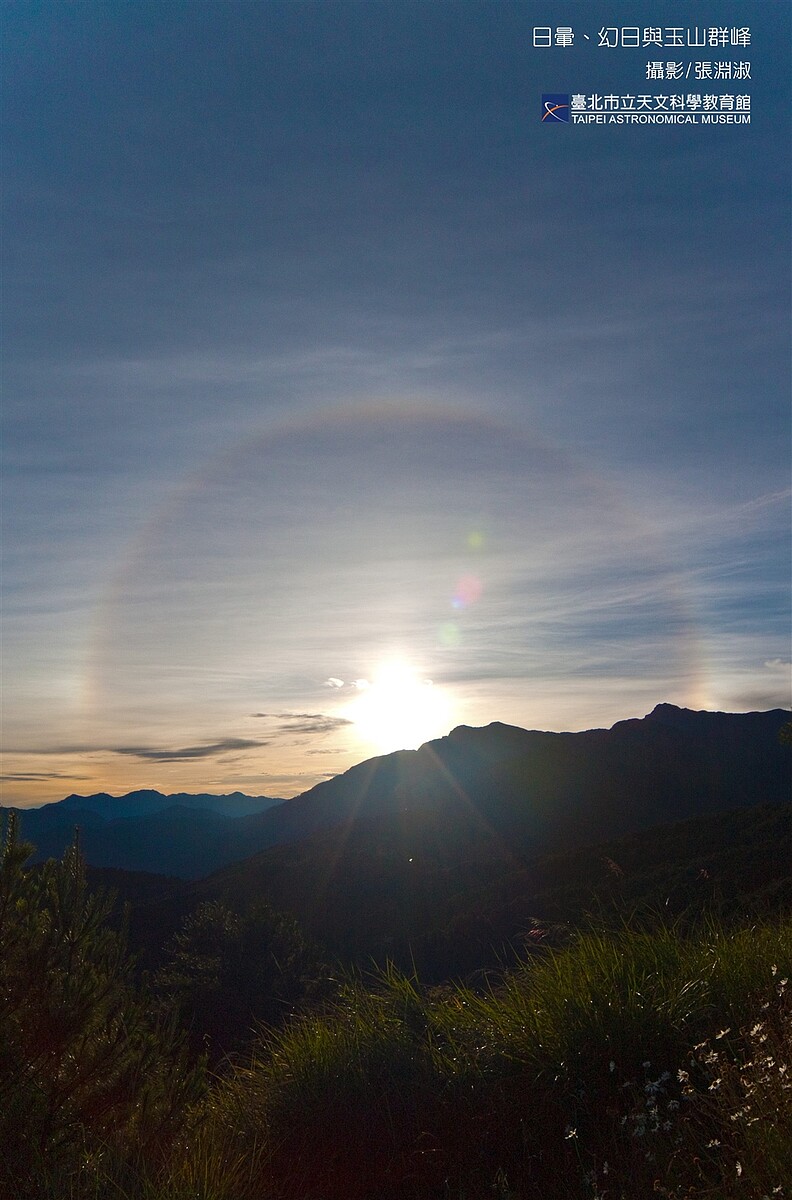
(399, 709)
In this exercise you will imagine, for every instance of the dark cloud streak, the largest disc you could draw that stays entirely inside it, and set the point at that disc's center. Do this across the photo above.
(38, 776)
(210, 750)
(305, 722)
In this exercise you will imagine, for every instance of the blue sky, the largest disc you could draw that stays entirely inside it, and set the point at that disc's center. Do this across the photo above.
(345, 401)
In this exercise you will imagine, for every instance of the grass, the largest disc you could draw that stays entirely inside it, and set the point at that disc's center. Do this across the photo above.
(629, 1063)
(579, 1075)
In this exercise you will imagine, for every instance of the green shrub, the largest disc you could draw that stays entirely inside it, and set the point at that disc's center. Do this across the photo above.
(561, 1081)
(224, 973)
(630, 1062)
(85, 1073)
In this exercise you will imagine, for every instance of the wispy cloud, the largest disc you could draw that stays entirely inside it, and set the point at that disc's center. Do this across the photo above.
(355, 389)
(289, 722)
(757, 700)
(182, 753)
(153, 753)
(38, 776)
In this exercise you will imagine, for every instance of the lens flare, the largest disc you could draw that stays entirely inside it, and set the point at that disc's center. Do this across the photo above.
(448, 634)
(468, 591)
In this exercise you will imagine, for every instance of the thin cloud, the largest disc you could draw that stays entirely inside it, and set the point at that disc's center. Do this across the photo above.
(37, 776)
(291, 716)
(762, 701)
(316, 725)
(180, 754)
(305, 722)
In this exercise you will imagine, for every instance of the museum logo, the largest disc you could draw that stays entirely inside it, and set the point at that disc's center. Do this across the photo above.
(555, 108)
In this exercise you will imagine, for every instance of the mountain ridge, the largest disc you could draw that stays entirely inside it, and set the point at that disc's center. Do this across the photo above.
(537, 790)
(141, 800)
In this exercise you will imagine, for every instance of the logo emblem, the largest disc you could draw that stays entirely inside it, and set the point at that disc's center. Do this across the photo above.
(555, 107)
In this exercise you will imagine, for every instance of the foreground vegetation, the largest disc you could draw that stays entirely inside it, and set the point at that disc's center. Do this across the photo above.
(629, 1061)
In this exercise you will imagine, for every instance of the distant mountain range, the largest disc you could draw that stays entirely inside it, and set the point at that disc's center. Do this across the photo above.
(146, 802)
(477, 793)
(184, 835)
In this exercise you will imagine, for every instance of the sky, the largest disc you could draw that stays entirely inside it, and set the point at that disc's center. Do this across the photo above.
(346, 400)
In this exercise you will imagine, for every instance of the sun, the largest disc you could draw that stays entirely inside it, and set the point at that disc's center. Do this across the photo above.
(399, 709)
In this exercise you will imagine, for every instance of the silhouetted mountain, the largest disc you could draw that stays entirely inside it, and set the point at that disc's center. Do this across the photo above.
(396, 888)
(541, 790)
(470, 794)
(145, 801)
(182, 835)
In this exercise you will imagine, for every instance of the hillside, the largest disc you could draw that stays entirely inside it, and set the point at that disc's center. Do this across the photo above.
(611, 1059)
(586, 963)
(564, 789)
(184, 835)
(450, 904)
(534, 792)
